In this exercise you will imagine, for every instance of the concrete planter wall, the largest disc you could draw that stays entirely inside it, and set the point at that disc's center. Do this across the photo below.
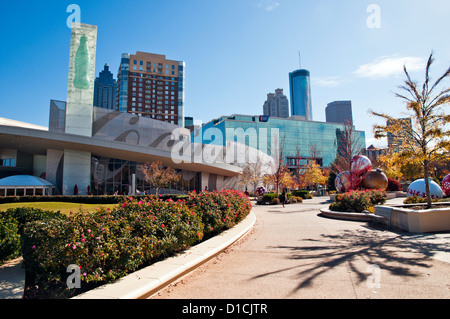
(416, 221)
(360, 217)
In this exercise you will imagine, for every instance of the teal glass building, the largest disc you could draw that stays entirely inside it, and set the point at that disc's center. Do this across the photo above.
(300, 86)
(299, 137)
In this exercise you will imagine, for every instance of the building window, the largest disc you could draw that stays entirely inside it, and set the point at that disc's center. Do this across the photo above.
(8, 162)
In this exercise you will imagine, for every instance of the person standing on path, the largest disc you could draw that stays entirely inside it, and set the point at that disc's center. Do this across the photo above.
(283, 197)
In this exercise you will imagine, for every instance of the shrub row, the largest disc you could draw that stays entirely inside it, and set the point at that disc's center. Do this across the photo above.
(219, 210)
(9, 238)
(304, 194)
(421, 200)
(111, 243)
(12, 223)
(358, 201)
(83, 199)
(297, 196)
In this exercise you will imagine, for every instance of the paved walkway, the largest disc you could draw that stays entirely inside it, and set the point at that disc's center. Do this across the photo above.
(12, 279)
(294, 253)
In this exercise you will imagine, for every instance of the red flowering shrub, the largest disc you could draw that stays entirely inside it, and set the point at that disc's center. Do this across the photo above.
(111, 243)
(219, 210)
(358, 201)
(394, 185)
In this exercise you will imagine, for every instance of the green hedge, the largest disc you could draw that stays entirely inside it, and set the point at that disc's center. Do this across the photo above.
(84, 199)
(304, 194)
(111, 243)
(270, 197)
(12, 224)
(29, 214)
(9, 238)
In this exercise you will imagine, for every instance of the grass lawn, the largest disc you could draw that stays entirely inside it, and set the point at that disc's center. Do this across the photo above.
(64, 208)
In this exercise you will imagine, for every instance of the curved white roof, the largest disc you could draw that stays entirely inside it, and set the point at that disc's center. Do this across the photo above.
(8, 122)
(24, 180)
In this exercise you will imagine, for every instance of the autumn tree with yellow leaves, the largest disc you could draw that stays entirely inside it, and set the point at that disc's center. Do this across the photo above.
(159, 176)
(427, 138)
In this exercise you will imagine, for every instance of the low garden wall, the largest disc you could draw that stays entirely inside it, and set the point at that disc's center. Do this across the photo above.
(424, 220)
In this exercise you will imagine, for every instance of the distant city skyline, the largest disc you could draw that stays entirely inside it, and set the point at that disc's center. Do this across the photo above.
(353, 52)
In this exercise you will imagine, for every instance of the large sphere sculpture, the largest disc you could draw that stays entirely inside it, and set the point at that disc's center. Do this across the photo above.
(343, 182)
(361, 165)
(376, 179)
(446, 185)
(417, 188)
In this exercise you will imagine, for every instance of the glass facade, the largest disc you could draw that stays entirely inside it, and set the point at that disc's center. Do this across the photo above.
(109, 175)
(123, 83)
(299, 137)
(105, 90)
(181, 67)
(300, 94)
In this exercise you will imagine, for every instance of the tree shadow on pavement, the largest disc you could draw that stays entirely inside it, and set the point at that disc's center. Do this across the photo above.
(400, 254)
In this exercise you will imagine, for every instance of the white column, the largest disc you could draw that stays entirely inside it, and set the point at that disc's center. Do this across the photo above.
(80, 89)
(77, 171)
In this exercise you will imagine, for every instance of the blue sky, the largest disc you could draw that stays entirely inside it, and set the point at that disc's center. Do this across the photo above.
(236, 51)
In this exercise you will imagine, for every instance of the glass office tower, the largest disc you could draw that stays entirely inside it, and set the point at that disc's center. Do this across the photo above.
(299, 82)
(298, 136)
(105, 90)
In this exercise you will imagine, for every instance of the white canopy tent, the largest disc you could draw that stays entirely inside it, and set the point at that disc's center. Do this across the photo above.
(23, 185)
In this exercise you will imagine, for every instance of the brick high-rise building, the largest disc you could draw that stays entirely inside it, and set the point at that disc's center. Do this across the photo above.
(152, 86)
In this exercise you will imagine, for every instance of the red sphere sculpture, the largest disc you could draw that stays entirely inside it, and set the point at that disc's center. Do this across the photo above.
(361, 165)
(343, 182)
(446, 185)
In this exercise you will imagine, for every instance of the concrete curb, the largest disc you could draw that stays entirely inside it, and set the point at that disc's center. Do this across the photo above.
(146, 282)
(362, 217)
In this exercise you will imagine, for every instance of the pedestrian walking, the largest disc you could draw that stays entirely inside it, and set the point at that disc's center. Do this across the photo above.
(283, 197)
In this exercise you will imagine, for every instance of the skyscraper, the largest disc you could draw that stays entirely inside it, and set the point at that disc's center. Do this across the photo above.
(395, 141)
(277, 104)
(339, 112)
(149, 85)
(105, 90)
(300, 94)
